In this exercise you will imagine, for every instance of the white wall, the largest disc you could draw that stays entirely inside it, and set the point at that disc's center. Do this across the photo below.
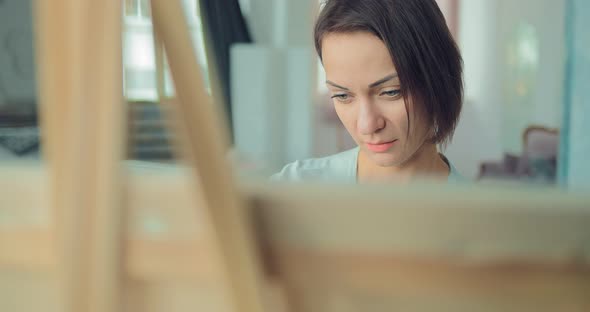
(477, 137)
(273, 84)
(494, 114)
(543, 104)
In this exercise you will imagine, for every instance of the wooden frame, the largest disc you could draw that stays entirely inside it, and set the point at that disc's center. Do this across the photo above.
(161, 238)
(483, 246)
(83, 117)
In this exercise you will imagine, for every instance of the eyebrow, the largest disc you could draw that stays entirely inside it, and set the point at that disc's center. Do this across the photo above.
(337, 86)
(382, 81)
(373, 85)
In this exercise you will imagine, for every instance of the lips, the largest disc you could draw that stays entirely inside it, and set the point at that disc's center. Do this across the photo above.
(380, 147)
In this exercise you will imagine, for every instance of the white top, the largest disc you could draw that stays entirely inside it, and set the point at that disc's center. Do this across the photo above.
(340, 167)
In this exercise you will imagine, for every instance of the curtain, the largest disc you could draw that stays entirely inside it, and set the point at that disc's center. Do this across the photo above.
(223, 25)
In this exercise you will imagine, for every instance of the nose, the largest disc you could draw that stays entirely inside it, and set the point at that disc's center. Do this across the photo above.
(369, 120)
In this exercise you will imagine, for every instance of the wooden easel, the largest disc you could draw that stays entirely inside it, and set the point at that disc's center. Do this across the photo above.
(89, 233)
(86, 147)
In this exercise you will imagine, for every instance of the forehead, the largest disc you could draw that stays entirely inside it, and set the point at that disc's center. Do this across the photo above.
(357, 57)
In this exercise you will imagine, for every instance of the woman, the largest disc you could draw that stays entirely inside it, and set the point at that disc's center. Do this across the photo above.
(395, 76)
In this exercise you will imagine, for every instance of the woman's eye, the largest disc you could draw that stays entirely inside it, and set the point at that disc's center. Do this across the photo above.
(391, 93)
(341, 97)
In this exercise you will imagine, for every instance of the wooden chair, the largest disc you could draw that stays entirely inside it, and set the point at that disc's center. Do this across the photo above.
(86, 232)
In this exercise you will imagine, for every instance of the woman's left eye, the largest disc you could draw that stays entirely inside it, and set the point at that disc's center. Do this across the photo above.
(391, 93)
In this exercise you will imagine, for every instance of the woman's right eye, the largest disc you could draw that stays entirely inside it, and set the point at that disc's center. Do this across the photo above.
(341, 97)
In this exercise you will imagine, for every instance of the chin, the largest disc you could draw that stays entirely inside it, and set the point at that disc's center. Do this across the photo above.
(385, 159)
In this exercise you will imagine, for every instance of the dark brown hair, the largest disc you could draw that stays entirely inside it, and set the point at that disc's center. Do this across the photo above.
(425, 55)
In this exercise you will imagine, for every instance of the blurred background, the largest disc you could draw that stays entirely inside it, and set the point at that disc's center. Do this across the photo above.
(527, 65)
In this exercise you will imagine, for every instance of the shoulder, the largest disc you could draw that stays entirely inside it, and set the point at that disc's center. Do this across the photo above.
(340, 166)
(455, 176)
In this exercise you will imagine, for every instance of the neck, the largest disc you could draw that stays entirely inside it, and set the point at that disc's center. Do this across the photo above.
(426, 162)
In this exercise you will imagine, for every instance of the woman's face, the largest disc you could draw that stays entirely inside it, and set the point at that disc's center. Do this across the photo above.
(365, 90)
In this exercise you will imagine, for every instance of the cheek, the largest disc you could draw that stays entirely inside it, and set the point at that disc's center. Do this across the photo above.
(346, 116)
(397, 116)
(418, 129)
(401, 119)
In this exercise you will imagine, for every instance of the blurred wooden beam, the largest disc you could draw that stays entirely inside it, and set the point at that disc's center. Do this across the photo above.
(80, 78)
(205, 141)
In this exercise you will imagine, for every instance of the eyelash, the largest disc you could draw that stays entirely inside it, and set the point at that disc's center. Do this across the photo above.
(391, 93)
(340, 97)
(345, 97)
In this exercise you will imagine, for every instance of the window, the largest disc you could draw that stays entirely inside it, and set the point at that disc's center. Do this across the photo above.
(139, 61)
